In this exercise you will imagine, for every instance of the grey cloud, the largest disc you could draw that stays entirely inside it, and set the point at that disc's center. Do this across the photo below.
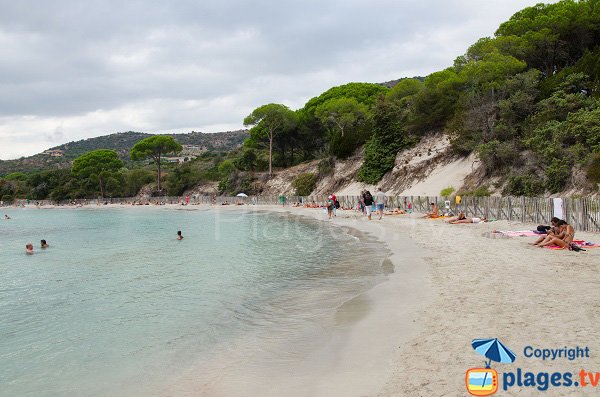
(63, 60)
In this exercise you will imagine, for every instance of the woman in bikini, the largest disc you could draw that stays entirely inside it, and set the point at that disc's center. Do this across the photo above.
(559, 231)
(565, 242)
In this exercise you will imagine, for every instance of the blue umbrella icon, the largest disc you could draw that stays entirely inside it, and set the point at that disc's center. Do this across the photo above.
(493, 350)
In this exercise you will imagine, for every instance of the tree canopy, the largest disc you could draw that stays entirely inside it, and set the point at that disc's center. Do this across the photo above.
(155, 147)
(98, 165)
(270, 120)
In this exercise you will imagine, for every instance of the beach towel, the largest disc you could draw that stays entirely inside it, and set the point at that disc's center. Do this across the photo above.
(580, 243)
(517, 233)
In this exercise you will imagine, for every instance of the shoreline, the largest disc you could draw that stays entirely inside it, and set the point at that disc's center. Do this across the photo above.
(465, 285)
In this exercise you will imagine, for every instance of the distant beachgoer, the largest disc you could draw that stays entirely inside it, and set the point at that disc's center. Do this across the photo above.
(469, 220)
(187, 200)
(179, 235)
(6, 216)
(460, 217)
(368, 199)
(29, 249)
(435, 212)
(395, 211)
(330, 205)
(44, 244)
(380, 201)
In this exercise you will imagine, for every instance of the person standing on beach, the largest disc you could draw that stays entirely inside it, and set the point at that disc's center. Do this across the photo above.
(380, 200)
(368, 199)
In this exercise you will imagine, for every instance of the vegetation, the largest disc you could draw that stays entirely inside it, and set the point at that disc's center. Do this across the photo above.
(526, 101)
(155, 147)
(62, 156)
(100, 165)
(304, 184)
(269, 120)
(446, 192)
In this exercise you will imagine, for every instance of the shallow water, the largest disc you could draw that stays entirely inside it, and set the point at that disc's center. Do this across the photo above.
(118, 306)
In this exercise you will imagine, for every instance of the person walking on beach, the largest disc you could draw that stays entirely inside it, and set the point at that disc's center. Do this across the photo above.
(368, 200)
(179, 236)
(330, 206)
(380, 201)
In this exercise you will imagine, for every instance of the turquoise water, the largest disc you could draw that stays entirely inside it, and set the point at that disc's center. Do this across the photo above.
(118, 306)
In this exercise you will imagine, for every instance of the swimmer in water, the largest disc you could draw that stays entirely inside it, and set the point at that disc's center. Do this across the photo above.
(29, 249)
(44, 244)
(179, 236)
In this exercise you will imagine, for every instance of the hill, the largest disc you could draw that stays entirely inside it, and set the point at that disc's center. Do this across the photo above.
(62, 156)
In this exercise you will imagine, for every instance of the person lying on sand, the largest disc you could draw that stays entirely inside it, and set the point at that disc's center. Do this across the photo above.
(435, 212)
(566, 241)
(557, 231)
(460, 217)
(469, 220)
(395, 211)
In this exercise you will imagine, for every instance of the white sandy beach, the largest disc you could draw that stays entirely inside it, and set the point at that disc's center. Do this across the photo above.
(459, 284)
(411, 335)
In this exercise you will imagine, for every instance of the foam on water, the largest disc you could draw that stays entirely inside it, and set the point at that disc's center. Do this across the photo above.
(118, 306)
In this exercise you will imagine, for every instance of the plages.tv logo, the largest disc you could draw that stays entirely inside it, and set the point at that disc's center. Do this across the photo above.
(484, 381)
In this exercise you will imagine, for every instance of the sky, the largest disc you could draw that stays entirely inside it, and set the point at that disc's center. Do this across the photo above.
(72, 70)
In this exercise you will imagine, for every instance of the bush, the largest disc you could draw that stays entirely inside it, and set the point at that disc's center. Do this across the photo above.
(481, 191)
(557, 175)
(593, 169)
(326, 166)
(447, 191)
(496, 155)
(523, 185)
(304, 184)
(378, 160)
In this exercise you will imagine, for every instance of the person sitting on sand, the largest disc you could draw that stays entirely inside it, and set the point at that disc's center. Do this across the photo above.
(395, 211)
(179, 235)
(44, 244)
(29, 249)
(556, 230)
(565, 241)
(435, 212)
(468, 220)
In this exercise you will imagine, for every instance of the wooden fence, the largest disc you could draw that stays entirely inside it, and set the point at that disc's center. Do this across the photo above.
(582, 213)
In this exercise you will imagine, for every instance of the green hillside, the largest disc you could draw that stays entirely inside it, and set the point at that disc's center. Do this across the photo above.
(61, 156)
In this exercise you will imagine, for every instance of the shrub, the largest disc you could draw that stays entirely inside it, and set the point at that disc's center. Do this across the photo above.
(523, 185)
(447, 191)
(481, 191)
(557, 175)
(326, 166)
(593, 169)
(304, 184)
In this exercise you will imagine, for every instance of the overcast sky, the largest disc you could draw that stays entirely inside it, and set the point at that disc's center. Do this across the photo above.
(76, 69)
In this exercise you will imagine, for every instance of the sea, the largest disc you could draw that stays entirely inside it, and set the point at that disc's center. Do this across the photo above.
(118, 306)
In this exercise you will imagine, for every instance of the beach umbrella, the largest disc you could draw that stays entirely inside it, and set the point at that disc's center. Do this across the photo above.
(493, 350)
(241, 195)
